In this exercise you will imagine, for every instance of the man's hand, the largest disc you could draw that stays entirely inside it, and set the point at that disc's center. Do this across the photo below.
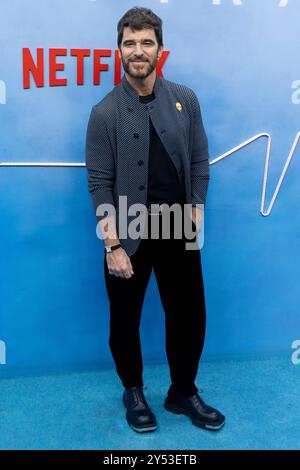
(197, 217)
(119, 264)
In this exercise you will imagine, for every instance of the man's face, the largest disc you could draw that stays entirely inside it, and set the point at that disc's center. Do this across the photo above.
(139, 52)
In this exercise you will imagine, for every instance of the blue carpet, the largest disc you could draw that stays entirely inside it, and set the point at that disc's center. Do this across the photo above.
(83, 410)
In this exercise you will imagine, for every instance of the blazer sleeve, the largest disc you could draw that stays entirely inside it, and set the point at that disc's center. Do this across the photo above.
(99, 161)
(200, 173)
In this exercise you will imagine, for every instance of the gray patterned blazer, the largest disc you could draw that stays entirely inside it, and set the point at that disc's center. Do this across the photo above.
(117, 145)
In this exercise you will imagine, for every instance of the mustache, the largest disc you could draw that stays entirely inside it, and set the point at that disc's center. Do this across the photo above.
(138, 60)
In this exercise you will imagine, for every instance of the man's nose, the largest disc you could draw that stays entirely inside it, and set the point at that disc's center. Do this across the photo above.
(138, 49)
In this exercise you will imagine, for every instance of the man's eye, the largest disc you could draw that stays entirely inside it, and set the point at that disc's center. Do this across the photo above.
(145, 43)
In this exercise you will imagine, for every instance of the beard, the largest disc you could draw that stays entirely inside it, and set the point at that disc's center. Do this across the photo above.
(142, 70)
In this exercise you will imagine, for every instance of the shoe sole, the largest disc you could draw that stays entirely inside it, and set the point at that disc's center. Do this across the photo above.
(153, 428)
(201, 424)
(139, 429)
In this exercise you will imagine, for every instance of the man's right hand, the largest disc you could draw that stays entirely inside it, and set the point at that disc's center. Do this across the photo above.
(119, 264)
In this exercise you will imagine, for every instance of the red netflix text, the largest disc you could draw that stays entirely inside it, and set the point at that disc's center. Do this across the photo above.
(35, 67)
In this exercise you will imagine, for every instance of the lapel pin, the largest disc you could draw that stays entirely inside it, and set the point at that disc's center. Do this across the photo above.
(178, 106)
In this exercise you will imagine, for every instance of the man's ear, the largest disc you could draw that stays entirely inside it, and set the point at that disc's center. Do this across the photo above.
(160, 51)
(119, 53)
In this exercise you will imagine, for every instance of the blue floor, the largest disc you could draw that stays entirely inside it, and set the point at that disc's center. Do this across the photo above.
(84, 410)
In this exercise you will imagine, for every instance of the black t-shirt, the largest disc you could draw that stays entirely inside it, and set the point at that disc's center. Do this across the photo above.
(163, 180)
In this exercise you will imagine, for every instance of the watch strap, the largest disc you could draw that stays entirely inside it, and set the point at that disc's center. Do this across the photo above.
(111, 248)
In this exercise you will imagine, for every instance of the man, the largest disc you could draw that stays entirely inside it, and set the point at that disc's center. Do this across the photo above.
(146, 142)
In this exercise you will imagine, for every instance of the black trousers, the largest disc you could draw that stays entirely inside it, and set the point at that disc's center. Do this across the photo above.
(178, 274)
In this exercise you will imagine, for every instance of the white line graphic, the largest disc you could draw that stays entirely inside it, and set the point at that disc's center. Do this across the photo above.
(264, 212)
(249, 141)
(42, 164)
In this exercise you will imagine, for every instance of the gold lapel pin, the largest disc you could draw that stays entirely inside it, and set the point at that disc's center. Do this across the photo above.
(178, 106)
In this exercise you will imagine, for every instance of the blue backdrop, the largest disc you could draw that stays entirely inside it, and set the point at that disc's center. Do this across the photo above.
(241, 58)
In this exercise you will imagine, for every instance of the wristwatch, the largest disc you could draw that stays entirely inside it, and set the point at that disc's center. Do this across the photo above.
(111, 248)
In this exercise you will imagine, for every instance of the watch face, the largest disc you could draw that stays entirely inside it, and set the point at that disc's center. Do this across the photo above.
(109, 249)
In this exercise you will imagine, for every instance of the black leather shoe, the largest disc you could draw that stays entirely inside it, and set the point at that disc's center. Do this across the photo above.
(201, 414)
(139, 416)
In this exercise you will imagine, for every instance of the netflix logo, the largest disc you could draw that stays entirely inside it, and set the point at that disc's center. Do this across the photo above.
(34, 65)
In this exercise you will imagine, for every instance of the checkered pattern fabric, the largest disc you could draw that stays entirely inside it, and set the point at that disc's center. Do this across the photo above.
(117, 140)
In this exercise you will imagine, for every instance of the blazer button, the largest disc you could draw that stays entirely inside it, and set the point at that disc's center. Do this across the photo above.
(140, 162)
(136, 135)
(141, 187)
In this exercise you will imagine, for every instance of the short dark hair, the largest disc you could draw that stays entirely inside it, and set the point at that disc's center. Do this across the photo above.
(138, 18)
